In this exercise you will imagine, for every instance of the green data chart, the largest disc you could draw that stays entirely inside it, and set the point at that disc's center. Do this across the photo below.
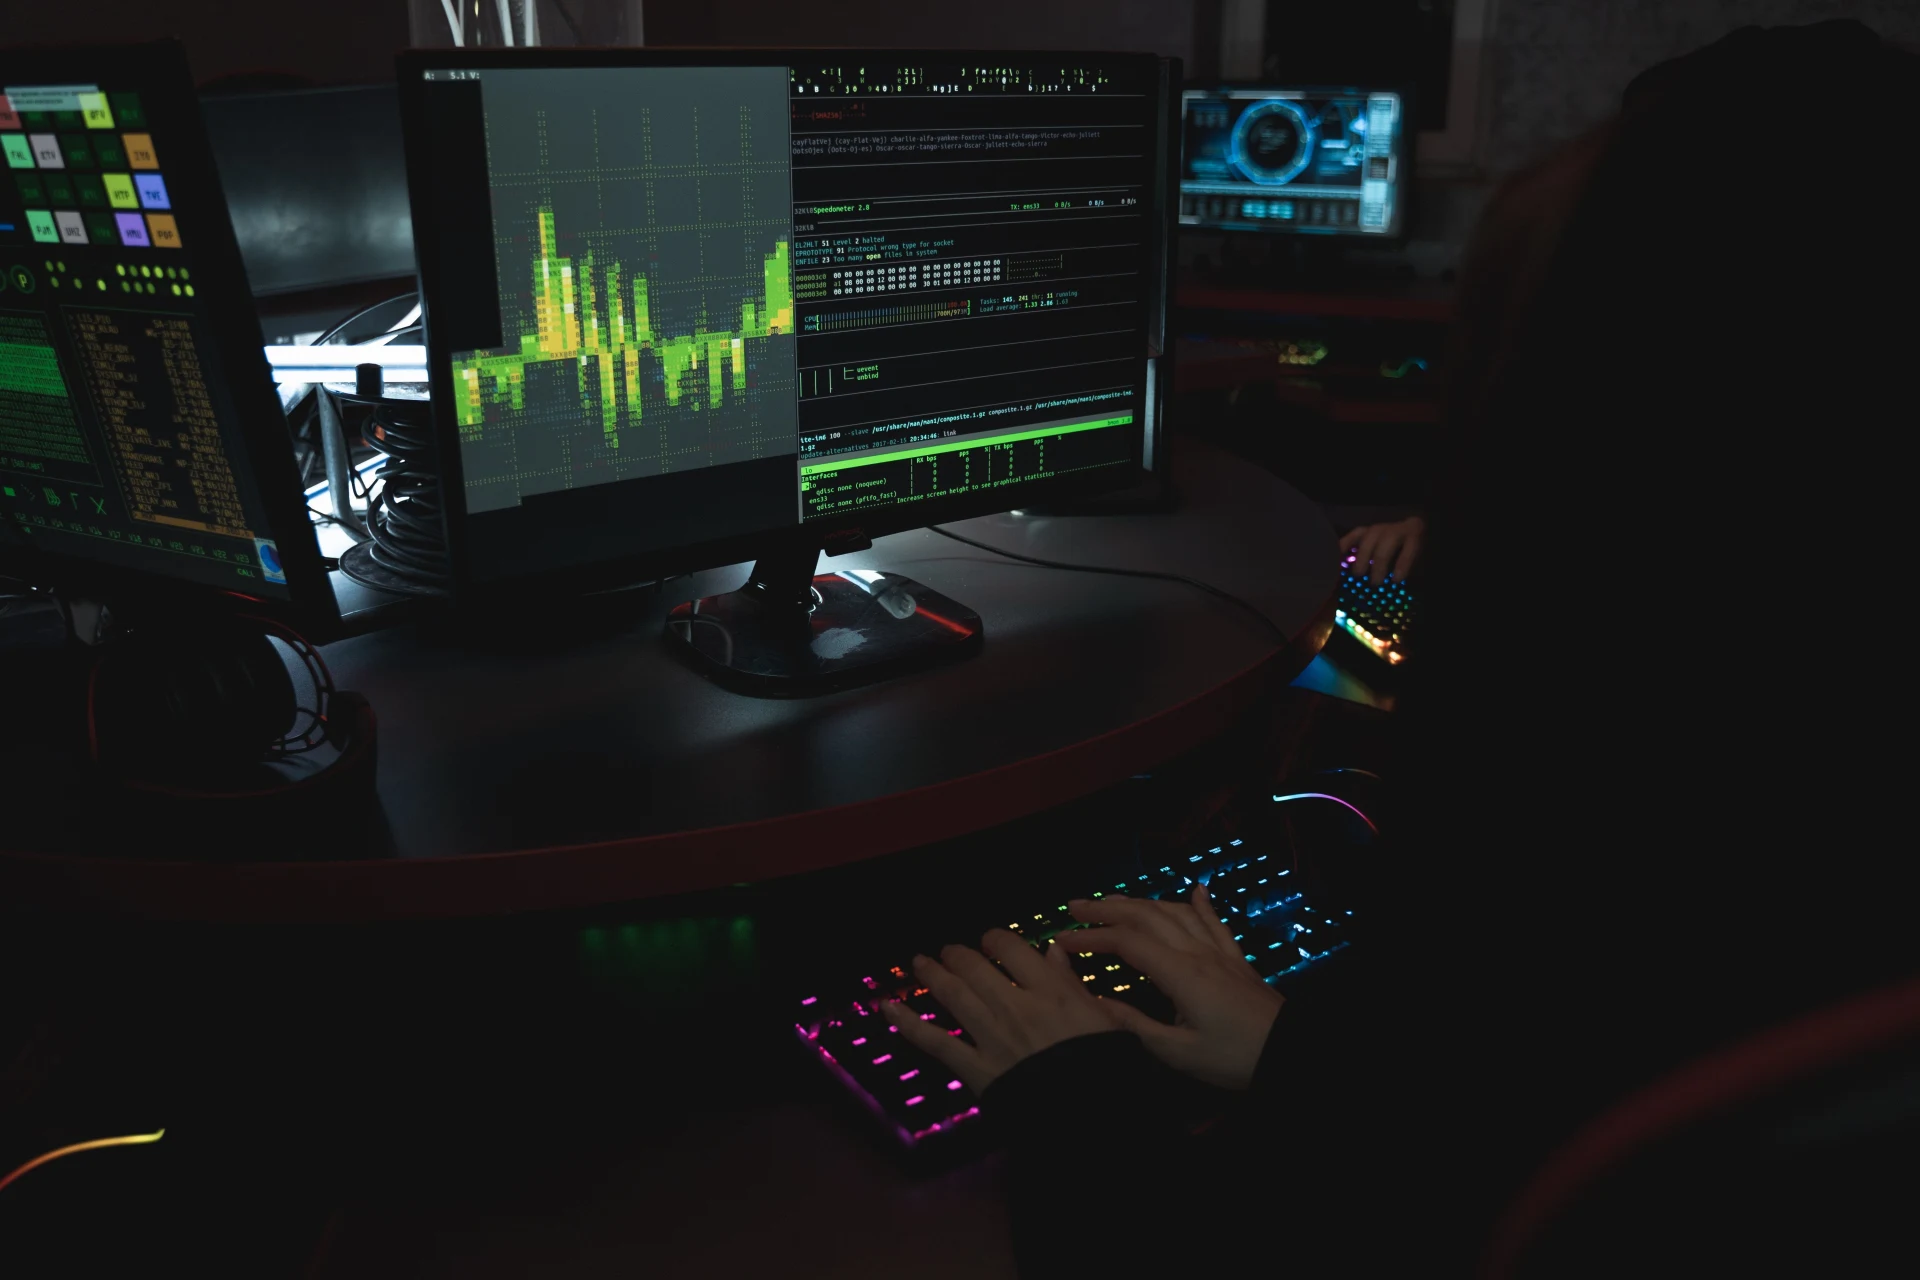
(641, 242)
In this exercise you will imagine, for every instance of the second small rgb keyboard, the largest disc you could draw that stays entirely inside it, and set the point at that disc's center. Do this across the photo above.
(1255, 890)
(1377, 614)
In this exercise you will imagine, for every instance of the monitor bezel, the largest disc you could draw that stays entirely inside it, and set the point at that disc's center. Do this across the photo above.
(160, 71)
(690, 557)
(1342, 239)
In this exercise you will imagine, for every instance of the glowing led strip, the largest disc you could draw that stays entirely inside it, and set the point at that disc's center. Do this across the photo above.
(130, 1140)
(1321, 795)
(1382, 647)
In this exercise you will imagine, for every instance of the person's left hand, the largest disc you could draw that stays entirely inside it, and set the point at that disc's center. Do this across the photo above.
(1031, 1003)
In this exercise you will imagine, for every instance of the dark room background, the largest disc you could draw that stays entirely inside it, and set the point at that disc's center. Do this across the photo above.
(1546, 68)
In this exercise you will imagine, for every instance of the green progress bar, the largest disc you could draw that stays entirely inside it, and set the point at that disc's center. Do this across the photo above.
(954, 446)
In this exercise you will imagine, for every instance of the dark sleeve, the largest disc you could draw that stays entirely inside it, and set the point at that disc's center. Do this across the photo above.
(1071, 1085)
(1325, 1132)
(1095, 1153)
(1310, 1041)
(1112, 1156)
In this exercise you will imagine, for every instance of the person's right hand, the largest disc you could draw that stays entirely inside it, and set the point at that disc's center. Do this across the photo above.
(1381, 549)
(1224, 1010)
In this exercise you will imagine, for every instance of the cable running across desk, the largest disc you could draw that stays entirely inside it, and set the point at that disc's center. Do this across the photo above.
(1280, 637)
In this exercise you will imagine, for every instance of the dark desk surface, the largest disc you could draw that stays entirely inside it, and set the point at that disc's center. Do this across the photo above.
(1220, 365)
(821, 1200)
(1421, 301)
(604, 770)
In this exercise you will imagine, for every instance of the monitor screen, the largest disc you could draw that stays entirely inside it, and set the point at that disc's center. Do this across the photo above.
(136, 413)
(675, 304)
(330, 211)
(1299, 161)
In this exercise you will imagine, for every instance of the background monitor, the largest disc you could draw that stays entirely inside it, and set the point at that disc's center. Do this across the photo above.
(142, 448)
(679, 304)
(316, 184)
(1329, 162)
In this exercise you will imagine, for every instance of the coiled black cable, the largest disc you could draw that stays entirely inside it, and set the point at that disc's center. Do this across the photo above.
(405, 534)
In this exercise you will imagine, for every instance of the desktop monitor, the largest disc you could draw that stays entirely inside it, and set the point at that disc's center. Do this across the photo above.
(685, 306)
(678, 302)
(316, 184)
(1316, 162)
(142, 450)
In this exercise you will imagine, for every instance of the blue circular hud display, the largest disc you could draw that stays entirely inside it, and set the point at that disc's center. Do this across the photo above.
(1272, 143)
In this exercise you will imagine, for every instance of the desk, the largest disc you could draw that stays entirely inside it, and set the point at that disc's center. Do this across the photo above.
(1424, 301)
(601, 769)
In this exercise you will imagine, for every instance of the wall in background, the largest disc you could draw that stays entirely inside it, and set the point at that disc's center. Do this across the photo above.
(1142, 26)
(1557, 68)
(1551, 68)
(353, 41)
(337, 42)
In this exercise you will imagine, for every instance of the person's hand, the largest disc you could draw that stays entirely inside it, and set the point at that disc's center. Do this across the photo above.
(1224, 1011)
(1013, 1012)
(1380, 549)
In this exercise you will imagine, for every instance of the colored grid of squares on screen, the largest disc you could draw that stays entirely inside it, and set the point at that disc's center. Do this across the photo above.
(132, 209)
(131, 230)
(79, 151)
(66, 109)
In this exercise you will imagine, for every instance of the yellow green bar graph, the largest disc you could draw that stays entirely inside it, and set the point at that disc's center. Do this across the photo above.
(599, 318)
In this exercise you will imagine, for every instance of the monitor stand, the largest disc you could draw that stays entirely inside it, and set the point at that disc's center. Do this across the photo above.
(790, 632)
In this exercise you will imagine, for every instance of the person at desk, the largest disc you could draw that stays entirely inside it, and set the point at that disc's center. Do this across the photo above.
(1591, 876)
(1386, 547)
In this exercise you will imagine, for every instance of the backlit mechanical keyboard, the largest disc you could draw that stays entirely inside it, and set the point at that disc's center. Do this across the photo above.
(1376, 614)
(1283, 934)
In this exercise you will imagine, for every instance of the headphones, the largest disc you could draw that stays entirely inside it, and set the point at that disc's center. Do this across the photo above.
(200, 714)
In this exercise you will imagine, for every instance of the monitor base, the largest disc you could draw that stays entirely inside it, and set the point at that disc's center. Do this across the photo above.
(791, 633)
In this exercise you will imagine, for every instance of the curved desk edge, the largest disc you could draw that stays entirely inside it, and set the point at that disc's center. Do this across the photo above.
(628, 870)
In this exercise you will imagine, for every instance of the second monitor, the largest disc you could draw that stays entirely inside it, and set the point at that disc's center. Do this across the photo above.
(1328, 162)
(684, 308)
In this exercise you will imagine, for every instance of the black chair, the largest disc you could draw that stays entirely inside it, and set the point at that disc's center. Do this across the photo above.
(1796, 1152)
